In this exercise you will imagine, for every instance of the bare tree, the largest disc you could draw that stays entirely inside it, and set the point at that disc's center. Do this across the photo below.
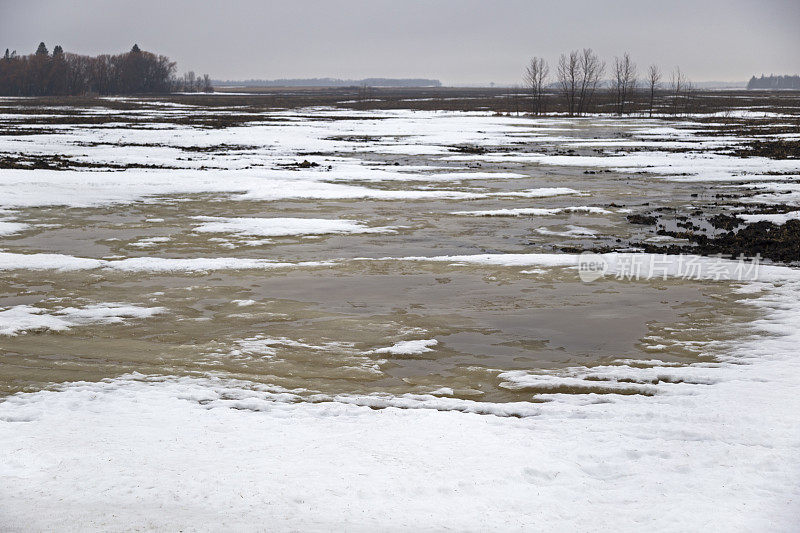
(590, 71)
(207, 86)
(653, 79)
(568, 79)
(535, 79)
(623, 84)
(688, 96)
(677, 88)
(189, 79)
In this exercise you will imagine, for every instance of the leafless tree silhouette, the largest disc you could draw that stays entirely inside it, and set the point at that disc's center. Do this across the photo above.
(653, 79)
(590, 70)
(680, 89)
(623, 84)
(535, 79)
(568, 79)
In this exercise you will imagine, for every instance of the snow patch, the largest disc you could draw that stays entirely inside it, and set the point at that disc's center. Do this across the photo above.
(572, 232)
(21, 318)
(778, 218)
(283, 227)
(9, 228)
(409, 347)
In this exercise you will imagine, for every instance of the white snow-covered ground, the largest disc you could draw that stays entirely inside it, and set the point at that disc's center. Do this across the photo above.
(250, 172)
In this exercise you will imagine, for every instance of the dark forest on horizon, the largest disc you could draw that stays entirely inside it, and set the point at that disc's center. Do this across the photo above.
(774, 82)
(62, 73)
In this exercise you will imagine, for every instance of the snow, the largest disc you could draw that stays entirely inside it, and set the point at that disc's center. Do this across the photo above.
(409, 347)
(267, 347)
(687, 167)
(14, 261)
(21, 318)
(256, 346)
(541, 192)
(253, 172)
(14, 320)
(572, 232)
(201, 264)
(32, 188)
(9, 228)
(107, 313)
(149, 242)
(778, 218)
(283, 227)
(783, 193)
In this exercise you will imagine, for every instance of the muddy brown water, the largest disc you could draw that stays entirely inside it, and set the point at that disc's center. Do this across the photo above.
(486, 319)
(321, 329)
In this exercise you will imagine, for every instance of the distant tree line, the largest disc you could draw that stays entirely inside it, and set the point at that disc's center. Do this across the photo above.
(332, 82)
(62, 73)
(774, 82)
(579, 79)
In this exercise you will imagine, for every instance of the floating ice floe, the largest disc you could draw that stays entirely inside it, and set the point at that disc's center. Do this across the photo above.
(541, 192)
(572, 232)
(21, 318)
(284, 227)
(263, 346)
(150, 242)
(409, 347)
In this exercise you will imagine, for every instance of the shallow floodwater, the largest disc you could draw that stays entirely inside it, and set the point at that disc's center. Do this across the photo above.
(368, 320)
(323, 329)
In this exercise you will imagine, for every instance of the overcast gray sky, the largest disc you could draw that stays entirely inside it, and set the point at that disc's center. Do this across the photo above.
(456, 41)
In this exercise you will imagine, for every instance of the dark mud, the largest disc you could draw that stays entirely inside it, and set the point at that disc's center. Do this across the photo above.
(759, 239)
(57, 162)
(707, 232)
(781, 149)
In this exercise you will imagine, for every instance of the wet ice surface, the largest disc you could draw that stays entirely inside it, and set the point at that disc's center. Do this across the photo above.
(243, 312)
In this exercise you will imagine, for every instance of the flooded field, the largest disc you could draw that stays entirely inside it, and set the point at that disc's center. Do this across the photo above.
(247, 290)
